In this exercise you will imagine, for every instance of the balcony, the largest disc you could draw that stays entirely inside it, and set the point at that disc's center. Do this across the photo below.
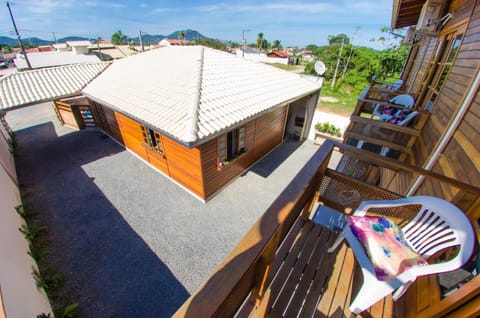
(379, 134)
(281, 267)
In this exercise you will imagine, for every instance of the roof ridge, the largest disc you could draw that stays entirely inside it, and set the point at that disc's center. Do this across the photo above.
(191, 126)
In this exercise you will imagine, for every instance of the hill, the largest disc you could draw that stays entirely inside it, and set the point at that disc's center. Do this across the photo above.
(4, 40)
(72, 38)
(190, 35)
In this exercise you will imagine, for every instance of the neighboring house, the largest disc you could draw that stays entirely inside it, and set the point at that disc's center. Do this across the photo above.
(198, 115)
(278, 54)
(54, 58)
(79, 47)
(252, 54)
(60, 46)
(108, 51)
(172, 42)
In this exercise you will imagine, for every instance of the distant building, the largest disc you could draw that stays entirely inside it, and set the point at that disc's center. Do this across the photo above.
(53, 58)
(172, 42)
(253, 54)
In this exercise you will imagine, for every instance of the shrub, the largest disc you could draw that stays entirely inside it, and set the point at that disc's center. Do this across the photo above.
(329, 129)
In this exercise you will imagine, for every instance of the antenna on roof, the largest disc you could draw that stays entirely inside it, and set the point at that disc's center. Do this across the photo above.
(319, 68)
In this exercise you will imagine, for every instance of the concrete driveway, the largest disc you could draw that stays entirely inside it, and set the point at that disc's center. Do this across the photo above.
(129, 241)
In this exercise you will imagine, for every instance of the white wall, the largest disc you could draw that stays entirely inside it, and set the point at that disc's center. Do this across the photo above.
(20, 296)
(261, 58)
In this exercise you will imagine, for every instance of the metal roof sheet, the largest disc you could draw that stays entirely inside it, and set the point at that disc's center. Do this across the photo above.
(35, 86)
(193, 93)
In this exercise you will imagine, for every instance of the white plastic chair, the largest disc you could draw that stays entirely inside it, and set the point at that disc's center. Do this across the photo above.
(404, 122)
(404, 100)
(438, 225)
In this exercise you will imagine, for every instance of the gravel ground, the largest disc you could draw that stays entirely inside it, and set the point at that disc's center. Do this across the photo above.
(130, 242)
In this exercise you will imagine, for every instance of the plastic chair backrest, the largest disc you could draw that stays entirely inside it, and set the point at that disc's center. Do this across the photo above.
(408, 119)
(437, 226)
(403, 100)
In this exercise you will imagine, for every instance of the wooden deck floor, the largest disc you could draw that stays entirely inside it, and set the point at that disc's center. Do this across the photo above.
(309, 282)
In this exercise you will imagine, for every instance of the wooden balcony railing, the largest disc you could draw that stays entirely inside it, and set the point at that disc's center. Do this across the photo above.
(281, 268)
(368, 132)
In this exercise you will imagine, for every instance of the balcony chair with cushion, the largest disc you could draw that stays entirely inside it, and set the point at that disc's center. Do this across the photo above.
(397, 255)
(404, 100)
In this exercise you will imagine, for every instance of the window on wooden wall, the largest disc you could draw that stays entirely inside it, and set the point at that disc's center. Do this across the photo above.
(231, 145)
(439, 67)
(152, 139)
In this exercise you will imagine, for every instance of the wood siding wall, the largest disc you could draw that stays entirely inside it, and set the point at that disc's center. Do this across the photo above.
(107, 121)
(197, 168)
(261, 136)
(184, 166)
(461, 158)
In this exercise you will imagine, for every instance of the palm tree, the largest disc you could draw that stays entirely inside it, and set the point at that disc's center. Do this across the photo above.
(260, 41)
(277, 44)
(181, 35)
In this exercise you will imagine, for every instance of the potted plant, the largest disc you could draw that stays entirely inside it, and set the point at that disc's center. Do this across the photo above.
(327, 130)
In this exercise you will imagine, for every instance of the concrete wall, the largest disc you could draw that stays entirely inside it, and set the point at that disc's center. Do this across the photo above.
(19, 295)
(261, 58)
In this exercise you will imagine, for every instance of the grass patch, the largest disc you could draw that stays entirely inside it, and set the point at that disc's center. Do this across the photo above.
(347, 98)
(283, 66)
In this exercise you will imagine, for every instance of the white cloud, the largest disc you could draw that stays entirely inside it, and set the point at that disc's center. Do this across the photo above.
(104, 4)
(47, 6)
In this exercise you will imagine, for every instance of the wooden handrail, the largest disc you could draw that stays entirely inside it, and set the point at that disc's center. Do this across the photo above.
(386, 125)
(240, 272)
(395, 165)
(376, 141)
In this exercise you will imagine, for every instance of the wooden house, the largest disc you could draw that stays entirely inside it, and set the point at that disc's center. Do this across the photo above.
(282, 268)
(197, 115)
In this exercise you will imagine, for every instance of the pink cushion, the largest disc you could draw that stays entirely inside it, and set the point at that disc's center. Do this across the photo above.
(385, 245)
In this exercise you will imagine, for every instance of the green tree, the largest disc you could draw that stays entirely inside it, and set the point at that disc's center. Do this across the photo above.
(119, 38)
(181, 35)
(311, 47)
(338, 39)
(277, 44)
(260, 41)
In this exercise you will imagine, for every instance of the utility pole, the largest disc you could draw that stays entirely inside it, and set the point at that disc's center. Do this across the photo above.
(142, 49)
(18, 37)
(338, 63)
(243, 42)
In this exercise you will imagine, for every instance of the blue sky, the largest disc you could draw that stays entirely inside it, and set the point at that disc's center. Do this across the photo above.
(293, 22)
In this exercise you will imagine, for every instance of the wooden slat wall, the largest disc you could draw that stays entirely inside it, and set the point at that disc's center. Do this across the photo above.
(133, 139)
(461, 158)
(215, 179)
(113, 127)
(269, 131)
(184, 165)
(261, 136)
(132, 135)
(65, 114)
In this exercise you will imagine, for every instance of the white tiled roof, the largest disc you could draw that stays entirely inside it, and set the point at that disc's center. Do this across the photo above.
(54, 58)
(193, 93)
(46, 84)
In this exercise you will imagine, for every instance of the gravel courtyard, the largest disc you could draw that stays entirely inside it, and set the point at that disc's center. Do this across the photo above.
(130, 242)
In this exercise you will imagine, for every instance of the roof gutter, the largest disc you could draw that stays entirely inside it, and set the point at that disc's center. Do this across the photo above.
(448, 135)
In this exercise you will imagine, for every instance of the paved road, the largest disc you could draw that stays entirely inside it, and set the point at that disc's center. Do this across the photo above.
(130, 242)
